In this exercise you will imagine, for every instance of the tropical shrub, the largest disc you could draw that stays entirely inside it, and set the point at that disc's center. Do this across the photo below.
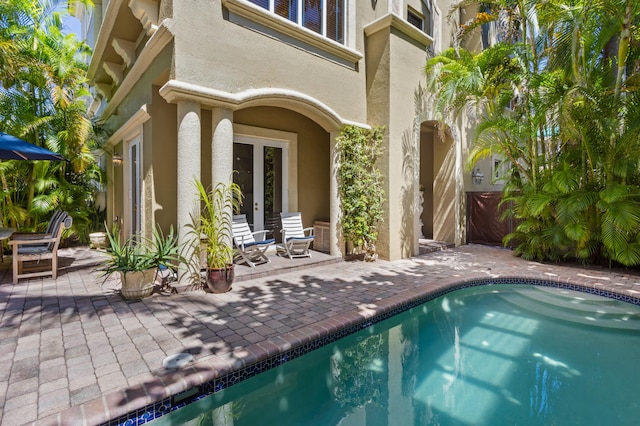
(360, 187)
(559, 100)
(43, 99)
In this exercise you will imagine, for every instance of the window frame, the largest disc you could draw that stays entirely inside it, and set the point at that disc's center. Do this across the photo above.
(250, 15)
(300, 17)
(416, 15)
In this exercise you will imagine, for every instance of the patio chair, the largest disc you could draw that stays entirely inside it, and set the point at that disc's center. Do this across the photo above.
(37, 248)
(53, 223)
(250, 246)
(296, 240)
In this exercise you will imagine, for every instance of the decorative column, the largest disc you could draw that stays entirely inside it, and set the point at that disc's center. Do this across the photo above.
(336, 244)
(189, 149)
(221, 145)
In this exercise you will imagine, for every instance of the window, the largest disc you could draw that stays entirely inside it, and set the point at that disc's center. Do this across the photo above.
(324, 17)
(288, 9)
(415, 19)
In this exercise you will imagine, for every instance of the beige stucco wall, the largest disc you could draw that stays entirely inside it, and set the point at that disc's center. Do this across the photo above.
(163, 165)
(247, 59)
(394, 71)
(142, 92)
(142, 95)
(444, 189)
(378, 75)
(407, 59)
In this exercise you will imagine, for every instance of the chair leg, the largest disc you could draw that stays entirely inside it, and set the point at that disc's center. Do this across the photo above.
(15, 266)
(54, 266)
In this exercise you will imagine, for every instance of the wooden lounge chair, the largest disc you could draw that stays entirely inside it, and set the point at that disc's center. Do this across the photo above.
(250, 246)
(38, 248)
(295, 239)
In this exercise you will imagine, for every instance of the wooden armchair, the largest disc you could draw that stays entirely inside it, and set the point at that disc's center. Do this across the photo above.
(37, 248)
(53, 222)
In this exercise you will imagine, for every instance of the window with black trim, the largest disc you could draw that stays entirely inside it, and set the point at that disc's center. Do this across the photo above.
(415, 19)
(325, 17)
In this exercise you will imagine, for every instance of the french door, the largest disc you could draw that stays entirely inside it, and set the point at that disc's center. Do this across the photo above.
(261, 170)
(134, 185)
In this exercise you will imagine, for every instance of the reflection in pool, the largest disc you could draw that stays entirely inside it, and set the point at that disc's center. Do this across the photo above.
(489, 355)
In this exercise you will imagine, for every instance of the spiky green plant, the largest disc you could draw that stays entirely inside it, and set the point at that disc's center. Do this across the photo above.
(218, 205)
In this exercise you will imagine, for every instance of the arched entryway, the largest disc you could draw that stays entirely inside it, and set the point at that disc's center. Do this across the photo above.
(437, 183)
(282, 163)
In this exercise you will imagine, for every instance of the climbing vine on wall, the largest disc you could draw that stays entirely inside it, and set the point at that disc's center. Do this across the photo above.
(360, 187)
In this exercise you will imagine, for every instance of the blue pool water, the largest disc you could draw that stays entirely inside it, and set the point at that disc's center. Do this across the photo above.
(489, 355)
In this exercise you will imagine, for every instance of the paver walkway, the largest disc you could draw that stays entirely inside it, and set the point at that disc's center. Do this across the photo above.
(73, 351)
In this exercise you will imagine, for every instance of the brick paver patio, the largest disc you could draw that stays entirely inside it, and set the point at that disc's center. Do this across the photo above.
(73, 351)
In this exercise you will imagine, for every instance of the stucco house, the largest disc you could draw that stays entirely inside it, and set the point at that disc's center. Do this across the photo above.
(197, 89)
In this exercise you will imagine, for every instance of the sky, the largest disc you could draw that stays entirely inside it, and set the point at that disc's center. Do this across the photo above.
(71, 25)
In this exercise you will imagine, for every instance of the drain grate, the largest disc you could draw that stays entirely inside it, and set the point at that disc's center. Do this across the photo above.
(177, 361)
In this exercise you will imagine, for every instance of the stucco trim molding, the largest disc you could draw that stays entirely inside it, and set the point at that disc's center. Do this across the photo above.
(394, 21)
(103, 37)
(272, 21)
(161, 38)
(130, 127)
(174, 91)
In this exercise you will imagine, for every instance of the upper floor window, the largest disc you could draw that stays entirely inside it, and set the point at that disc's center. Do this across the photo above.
(415, 19)
(324, 17)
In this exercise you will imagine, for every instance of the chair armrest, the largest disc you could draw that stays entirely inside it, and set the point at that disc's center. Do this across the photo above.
(260, 235)
(310, 229)
(30, 241)
(240, 241)
(29, 235)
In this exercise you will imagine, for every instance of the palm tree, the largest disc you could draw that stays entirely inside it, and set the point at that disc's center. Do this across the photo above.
(570, 132)
(42, 99)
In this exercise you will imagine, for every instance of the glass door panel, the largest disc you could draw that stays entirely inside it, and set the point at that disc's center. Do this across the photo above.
(272, 190)
(134, 184)
(259, 168)
(243, 166)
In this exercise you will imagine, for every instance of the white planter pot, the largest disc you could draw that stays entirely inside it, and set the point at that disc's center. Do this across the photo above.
(137, 284)
(99, 240)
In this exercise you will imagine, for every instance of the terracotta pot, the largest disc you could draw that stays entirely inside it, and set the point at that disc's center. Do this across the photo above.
(137, 284)
(219, 280)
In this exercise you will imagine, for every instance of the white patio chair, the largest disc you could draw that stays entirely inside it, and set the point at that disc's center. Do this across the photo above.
(295, 239)
(250, 246)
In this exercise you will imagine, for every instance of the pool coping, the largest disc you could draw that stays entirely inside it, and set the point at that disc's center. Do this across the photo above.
(172, 390)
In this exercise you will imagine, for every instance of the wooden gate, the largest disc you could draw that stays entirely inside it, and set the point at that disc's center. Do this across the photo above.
(483, 219)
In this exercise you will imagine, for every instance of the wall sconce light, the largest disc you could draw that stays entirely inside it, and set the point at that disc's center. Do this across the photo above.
(477, 176)
(116, 159)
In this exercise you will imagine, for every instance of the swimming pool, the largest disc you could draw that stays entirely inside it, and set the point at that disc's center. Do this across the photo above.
(499, 354)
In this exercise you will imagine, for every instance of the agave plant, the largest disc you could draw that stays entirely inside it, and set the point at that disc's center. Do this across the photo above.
(137, 253)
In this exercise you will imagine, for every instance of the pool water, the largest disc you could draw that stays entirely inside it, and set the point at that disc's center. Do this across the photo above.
(488, 355)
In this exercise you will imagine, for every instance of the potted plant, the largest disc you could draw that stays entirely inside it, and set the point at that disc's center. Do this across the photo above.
(137, 260)
(213, 227)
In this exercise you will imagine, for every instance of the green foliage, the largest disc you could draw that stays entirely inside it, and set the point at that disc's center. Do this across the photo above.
(561, 103)
(213, 222)
(137, 253)
(43, 94)
(360, 186)
(354, 383)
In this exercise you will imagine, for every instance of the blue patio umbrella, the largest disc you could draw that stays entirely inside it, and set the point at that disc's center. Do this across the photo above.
(13, 148)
